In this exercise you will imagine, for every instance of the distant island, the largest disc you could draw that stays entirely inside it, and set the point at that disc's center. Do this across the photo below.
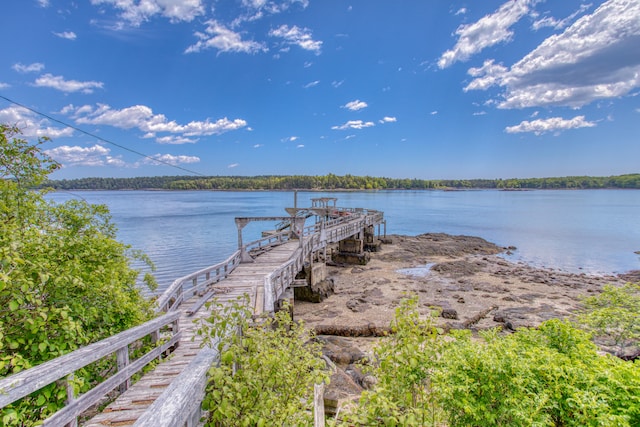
(335, 182)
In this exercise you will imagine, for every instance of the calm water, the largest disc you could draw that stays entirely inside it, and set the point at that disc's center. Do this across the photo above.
(593, 231)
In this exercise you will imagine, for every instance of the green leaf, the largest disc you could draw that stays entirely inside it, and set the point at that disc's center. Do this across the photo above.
(13, 305)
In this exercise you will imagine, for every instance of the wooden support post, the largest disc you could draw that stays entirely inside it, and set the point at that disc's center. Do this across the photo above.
(71, 396)
(318, 405)
(122, 359)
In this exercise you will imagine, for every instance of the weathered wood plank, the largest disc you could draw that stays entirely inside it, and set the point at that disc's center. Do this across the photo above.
(182, 398)
(91, 397)
(26, 382)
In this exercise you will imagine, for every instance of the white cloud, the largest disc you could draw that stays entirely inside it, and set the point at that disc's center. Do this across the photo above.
(31, 125)
(4, 85)
(143, 118)
(175, 140)
(488, 31)
(258, 145)
(137, 12)
(170, 159)
(43, 3)
(291, 139)
(69, 35)
(354, 124)
(461, 11)
(598, 57)
(486, 76)
(388, 119)
(541, 126)
(233, 165)
(31, 68)
(297, 36)
(434, 112)
(217, 36)
(337, 83)
(479, 113)
(300, 146)
(312, 84)
(59, 83)
(84, 156)
(355, 105)
(258, 9)
(558, 24)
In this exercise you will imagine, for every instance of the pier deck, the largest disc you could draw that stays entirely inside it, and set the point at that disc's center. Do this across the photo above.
(245, 279)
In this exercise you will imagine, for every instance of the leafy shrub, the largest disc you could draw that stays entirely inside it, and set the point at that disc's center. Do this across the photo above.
(65, 281)
(267, 371)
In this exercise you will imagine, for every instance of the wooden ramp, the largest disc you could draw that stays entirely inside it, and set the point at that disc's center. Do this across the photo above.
(248, 279)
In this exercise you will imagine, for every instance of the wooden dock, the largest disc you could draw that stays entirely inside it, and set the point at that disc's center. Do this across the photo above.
(245, 279)
(170, 394)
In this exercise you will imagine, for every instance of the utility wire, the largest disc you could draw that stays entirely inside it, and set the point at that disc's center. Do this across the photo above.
(122, 147)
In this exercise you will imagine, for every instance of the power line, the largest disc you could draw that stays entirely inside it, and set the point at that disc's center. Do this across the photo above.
(122, 147)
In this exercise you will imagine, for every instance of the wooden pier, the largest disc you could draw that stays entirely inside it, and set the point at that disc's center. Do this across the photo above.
(171, 393)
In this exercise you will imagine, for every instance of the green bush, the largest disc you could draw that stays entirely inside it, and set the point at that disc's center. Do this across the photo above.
(65, 281)
(266, 373)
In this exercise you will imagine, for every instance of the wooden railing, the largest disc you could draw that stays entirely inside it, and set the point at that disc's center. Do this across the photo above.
(19, 385)
(185, 287)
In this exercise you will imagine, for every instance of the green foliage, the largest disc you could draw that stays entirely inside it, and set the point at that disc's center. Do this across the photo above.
(335, 182)
(266, 372)
(550, 376)
(64, 279)
(614, 314)
(404, 362)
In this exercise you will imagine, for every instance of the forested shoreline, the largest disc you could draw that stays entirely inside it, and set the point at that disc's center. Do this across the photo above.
(335, 182)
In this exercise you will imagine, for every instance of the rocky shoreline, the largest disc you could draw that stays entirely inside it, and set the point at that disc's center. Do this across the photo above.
(463, 277)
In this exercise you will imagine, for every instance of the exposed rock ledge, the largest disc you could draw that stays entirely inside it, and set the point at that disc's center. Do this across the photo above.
(462, 275)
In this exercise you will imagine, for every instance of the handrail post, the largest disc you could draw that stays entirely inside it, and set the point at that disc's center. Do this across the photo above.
(71, 396)
(122, 359)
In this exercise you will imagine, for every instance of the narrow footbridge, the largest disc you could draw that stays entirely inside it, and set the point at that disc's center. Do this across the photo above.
(169, 391)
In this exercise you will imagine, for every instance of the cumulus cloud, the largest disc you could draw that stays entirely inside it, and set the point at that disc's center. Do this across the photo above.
(297, 36)
(552, 124)
(31, 125)
(217, 36)
(597, 57)
(137, 12)
(159, 159)
(175, 140)
(355, 105)
(84, 156)
(488, 31)
(69, 35)
(142, 117)
(59, 83)
(388, 119)
(36, 67)
(354, 124)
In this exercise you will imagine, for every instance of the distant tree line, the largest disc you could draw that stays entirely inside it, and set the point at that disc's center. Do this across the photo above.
(335, 182)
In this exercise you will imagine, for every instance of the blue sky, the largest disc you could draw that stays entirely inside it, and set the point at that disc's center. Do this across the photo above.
(408, 89)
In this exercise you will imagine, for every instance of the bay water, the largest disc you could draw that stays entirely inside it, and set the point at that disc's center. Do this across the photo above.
(590, 231)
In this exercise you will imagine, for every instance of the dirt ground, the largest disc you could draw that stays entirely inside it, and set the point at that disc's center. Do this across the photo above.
(463, 276)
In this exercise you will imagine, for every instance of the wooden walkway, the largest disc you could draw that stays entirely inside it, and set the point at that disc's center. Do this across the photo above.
(247, 278)
(170, 395)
